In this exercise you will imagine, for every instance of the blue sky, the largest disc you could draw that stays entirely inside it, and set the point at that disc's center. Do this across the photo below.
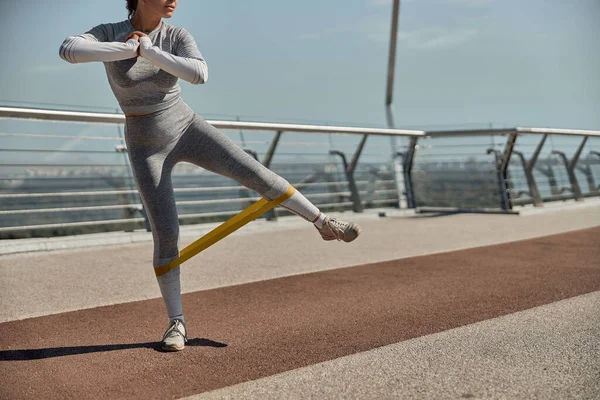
(460, 62)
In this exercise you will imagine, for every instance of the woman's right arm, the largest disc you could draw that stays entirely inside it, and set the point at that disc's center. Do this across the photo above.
(94, 45)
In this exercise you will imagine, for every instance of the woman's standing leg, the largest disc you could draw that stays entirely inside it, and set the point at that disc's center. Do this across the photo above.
(152, 168)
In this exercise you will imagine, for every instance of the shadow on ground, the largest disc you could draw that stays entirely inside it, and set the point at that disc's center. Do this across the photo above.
(51, 352)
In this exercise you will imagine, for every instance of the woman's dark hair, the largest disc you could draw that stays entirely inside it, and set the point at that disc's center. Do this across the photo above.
(131, 7)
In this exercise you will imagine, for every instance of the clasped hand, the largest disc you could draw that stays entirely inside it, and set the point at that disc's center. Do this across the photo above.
(136, 35)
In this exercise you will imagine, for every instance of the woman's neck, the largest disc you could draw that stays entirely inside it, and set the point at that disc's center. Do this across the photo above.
(145, 23)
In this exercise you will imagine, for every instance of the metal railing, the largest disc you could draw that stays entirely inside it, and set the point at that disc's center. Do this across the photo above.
(77, 185)
(94, 187)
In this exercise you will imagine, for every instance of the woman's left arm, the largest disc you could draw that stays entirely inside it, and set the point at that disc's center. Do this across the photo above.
(186, 63)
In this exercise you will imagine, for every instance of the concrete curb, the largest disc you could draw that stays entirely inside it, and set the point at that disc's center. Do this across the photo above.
(559, 206)
(15, 246)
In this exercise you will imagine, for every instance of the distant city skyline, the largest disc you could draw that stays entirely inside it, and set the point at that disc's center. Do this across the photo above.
(459, 63)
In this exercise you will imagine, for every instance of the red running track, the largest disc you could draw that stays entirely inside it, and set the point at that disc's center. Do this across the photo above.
(245, 332)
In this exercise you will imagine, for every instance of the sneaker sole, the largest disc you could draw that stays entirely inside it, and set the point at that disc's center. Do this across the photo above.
(172, 348)
(356, 229)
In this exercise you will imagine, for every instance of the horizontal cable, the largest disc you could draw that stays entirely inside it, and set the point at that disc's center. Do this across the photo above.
(112, 192)
(211, 214)
(66, 165)
(139, 206)
(324, 153)
(385, 191)
(123, 206)
(108, 177)
(428, 145)
(383, 201)
(247, 142)
(68, 178)
(58, 151)
(346, 203)
(316, 184)
(320, 195)
(71, 224)
(464, 171)
(217, 201)
(177, 190)
(382, 182)
(421, 155)
(247, 199)
(70, 209)
(306, 172)
(34, 135)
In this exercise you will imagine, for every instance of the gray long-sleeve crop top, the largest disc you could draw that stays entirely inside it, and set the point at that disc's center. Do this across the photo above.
(143, 84)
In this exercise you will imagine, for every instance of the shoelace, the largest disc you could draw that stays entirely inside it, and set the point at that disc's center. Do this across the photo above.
(174, 329)
(338, 227)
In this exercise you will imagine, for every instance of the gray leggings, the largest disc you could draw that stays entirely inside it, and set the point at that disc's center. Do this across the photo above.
(158, 141)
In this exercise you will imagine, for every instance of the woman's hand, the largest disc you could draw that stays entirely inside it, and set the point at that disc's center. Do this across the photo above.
(136, 35)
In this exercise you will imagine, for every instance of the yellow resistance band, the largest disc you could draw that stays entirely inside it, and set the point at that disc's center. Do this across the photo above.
(228, 227)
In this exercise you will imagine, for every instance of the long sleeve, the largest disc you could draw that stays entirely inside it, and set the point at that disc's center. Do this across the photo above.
(95, 45)
(76, 49)
(187, 63)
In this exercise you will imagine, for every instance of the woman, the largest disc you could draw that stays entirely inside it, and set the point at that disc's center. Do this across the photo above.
(144, 57)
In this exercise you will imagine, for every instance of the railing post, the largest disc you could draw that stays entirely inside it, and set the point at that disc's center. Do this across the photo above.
(524, 165)
(549, 173)
(349, 171)
(356, 203)
(272, 148)
(572, 180)
(398, 171)
(270, 215)
(570, 165)
(407, 164)
(407, 167)
(508, 150)
(498, 167)
(587, 171)
(591, 182)
(528, 169)
(502, 162)
(357, 153)
(535, 193)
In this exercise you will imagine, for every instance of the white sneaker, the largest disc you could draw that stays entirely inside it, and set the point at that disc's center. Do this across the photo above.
(334, 229)
(175, 337)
